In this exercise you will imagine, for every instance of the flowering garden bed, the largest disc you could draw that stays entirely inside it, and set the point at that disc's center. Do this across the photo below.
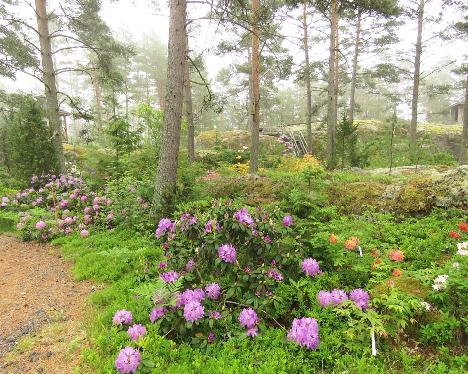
(324, 290)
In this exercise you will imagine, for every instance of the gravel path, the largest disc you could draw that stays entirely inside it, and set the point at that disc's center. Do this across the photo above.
(41, 310)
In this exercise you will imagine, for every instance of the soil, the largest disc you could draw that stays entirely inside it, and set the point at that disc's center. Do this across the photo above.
(41, 310)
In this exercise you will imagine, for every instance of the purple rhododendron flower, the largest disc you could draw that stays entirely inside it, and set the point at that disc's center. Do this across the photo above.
(211, 226)
(304, 331)
(338, 296)
(63, 204)
(214, 314)
(84, 233)
(156, 313)
(253, 332)
(193, 311)
(165, 225)
(69, 221)
(136, 332)
(162, 265)
(211, 337)
(110, 217)
(122, 317)
(243, 217)
(41, 225)
(324, 298)
(128, 360)
(311, 267)
(84, 198)
(275, 274)
(227, 253)
(287, 221)
(248, 318)
(267, 239)
(196, 295)
(213, 291)
(360, 298)
(169, 277)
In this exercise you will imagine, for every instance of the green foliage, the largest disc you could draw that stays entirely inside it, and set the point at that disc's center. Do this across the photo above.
(28, 147)
(348, 152)
(122, 137)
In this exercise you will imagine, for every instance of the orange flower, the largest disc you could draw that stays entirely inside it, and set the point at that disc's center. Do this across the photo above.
(351, 244)
(333, 239)
(375, 252)
(463, 226)
(454, 234)
(376, 263)
(396, 255)
(396, 272)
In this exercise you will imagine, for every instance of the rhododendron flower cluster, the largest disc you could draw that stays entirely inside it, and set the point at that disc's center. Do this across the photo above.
(336, 297)
(287, 221)
(193, 311)
(333, 239)
(275, 274)
(304, 331)
(165, 226)
(463, 226)
(454, 234)
(360, 298)
(213, 291)
(122, 317)
(41, 225)
(243, 217)
(136, 332)
(227, 253)
(249, 319)
(351, 244)
(311, 267)
(156, 313)
(128, 360)
(170, 276)
(396, 255)
(212, 226)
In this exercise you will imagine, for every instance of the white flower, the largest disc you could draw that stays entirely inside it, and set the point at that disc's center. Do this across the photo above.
(441, 278)
(426, 305)
(462, 252)
(463, 245)
(456, 265)
(440, 282)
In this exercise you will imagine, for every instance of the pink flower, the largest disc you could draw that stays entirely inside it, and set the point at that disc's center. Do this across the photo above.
(311, 267)
(227, 253)
(136, 332)
(41, 225)
(287, 221)
(84, 233)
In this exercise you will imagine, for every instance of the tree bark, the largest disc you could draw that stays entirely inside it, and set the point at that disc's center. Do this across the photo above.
(52, 106)
(169, 153)
(189, 109)
(464, 143)
(97, 97)
(255, 89)
(307, 79)
(416, 77)
(332, 84)
(355, 66)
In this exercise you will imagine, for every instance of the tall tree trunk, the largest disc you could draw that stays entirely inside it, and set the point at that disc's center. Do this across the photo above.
(97, 97)
(464, 143)
(49, 81)
(332, 84)
(355, 66)
(307, 79)
(250, 98)
(189, 109)
(416, 77)
(161, 87)
(255, 88)
(169, 153)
